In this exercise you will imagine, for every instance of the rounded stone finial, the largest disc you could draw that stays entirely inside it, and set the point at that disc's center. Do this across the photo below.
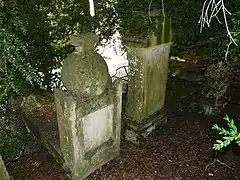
(85, 72)
(87, 40)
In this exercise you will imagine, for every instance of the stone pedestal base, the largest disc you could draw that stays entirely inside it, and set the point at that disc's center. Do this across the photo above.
(136, 132)
(89, 129)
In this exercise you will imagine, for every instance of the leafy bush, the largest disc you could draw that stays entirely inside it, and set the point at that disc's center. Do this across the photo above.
(11, 147)
(13, 136)
(229, 135)
(34, 37)
(134, 19)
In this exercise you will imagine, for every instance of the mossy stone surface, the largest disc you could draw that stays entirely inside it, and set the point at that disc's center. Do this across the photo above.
(146, 89)
(84, 72)
(3, 172)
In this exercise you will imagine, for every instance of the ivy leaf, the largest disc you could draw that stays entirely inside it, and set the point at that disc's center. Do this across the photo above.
(238, 142)
(226, 118)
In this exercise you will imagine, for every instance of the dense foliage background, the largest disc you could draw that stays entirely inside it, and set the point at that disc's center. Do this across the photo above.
(34, 34)
(185, 15)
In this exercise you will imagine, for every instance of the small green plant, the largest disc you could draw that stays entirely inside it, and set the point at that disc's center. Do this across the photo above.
(229, 135)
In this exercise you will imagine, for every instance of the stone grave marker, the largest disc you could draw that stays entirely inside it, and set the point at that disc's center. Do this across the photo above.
(89, 111)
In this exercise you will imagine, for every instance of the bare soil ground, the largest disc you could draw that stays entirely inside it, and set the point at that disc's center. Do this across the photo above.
(182, 149)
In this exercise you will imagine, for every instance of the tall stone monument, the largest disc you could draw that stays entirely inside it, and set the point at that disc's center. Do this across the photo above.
(148, 47)
(146, 90)
(89, 112)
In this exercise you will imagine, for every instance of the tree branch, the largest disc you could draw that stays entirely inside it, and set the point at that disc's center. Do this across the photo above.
(209, 13)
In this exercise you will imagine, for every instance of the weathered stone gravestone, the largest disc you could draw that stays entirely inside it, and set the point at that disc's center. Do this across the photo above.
(3, 172)
(89, 112)
(146, 90)
(148, 48)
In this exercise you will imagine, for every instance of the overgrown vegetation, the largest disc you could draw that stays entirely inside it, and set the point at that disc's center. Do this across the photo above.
(34, 34)
(11, 144)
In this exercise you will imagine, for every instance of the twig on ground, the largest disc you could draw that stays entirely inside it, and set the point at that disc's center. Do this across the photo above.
(179, 162)
(224, 164)
(220, 162)
(210, 164)
(133, 150)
